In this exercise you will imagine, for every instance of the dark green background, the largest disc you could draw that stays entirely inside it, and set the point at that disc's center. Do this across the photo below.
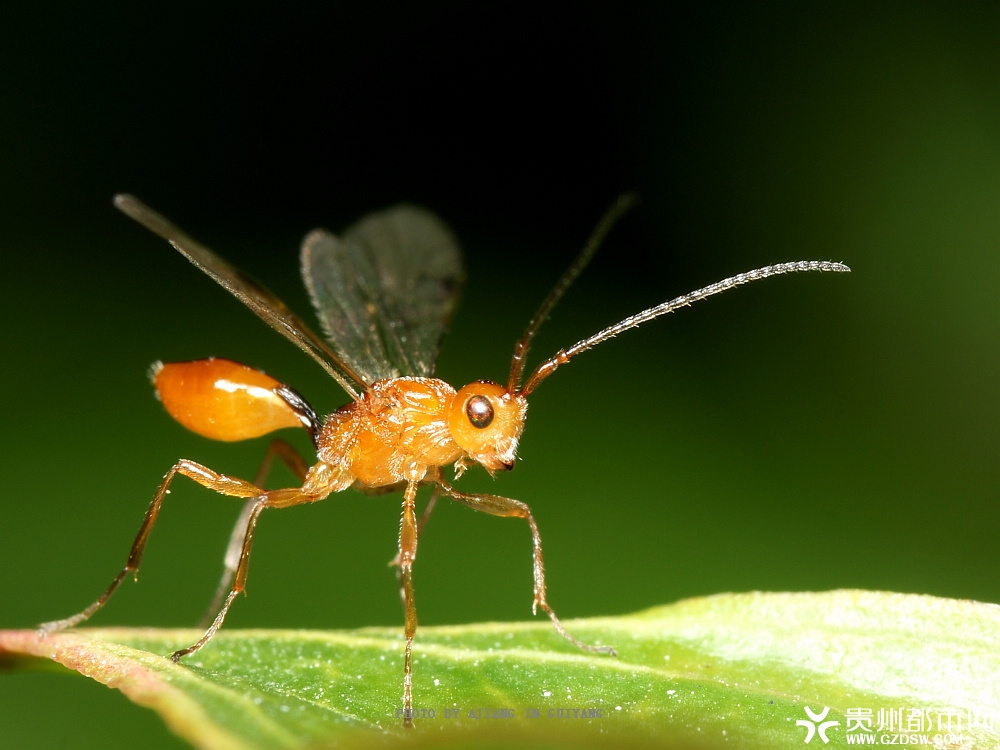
(805, 433)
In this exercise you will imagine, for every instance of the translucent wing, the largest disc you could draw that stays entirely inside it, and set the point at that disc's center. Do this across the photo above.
(268, 307)
(385, 290)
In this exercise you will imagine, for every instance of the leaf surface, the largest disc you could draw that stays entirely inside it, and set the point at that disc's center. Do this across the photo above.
(735, 670)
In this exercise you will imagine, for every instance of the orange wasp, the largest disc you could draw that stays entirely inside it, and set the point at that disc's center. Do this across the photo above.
(384, 293)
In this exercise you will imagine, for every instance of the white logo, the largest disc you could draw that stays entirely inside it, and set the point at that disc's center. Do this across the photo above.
(815, 722)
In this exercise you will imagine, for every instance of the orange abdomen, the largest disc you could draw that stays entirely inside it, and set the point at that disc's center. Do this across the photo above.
(222, 399)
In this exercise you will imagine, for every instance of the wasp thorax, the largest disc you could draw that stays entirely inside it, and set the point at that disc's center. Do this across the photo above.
(486, 421)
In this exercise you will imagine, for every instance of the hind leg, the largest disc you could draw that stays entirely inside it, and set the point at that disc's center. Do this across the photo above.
(225, 485)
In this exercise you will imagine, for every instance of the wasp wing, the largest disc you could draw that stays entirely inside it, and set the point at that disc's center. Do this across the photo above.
(267, 306)
(385, 290)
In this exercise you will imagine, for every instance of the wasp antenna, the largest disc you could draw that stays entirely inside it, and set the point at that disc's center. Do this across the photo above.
(562, 357)
(610, 218)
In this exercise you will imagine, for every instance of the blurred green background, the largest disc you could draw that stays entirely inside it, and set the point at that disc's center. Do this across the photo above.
(803, 433)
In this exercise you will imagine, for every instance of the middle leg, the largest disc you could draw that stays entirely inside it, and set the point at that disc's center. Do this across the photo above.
(407, 552)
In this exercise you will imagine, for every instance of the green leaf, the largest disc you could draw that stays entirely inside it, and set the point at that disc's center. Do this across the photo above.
(735, 669)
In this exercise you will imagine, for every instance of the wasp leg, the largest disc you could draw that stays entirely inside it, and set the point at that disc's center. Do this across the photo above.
(435, 494)
(272, 499)
(407, 553)
(295, 463)
(509, 508)
(203, 476)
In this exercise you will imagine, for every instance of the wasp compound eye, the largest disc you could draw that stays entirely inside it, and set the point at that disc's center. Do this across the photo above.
(479, 410)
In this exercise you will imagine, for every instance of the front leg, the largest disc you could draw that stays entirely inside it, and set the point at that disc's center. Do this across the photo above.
(508, 508)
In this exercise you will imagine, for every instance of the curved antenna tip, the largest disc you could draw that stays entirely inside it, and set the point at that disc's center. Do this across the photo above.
(130, 206)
